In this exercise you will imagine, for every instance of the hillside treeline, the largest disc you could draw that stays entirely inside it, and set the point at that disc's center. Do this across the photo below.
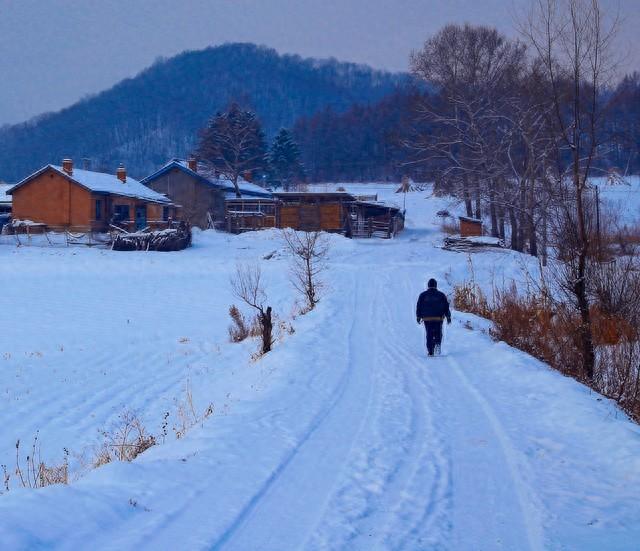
(373, 141)
(157, 115)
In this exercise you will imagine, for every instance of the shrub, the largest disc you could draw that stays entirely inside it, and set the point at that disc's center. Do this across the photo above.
(550, 331)
(238, 331)
(247, 286)
(309, 252)
(35, 473)
(187, 416)
(618, 373)
(468, 297)
(450, 226)
(125, 441)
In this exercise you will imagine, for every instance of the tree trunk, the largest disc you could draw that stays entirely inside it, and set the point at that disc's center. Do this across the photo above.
(501, 214)
(580, 287)
(544, 237)
(515, 245)
(267, 329)
(533, 239)
(466, 195)
(522, 217)
(235, 185)
(492, 210)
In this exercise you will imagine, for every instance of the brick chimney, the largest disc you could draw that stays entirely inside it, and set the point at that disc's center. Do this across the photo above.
(248, 176)
(192, 164)
(121, 173)
(67, 166)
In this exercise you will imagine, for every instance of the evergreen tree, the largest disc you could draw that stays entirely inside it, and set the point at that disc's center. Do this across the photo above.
(233, 144)
(284, 161)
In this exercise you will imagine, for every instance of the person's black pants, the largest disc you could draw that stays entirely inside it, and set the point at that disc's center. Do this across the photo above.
(434, 334)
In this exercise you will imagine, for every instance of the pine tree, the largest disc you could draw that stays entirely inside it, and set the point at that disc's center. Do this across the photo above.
(233, 144)
(284, 161)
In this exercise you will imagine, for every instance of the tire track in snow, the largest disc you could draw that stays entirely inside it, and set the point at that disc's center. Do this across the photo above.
(125, 388)
(430, 487)
(428, 508)
(395, 467)
(438, 385)
(256, 503)
(529, 514)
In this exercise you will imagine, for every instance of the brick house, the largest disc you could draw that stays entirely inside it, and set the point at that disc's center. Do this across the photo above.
(62, 197)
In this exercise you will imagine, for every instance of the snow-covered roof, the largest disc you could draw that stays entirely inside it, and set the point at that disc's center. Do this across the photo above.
(4, 198)
(315, 194)
(100, 182)
(379, 204)
(246, 188)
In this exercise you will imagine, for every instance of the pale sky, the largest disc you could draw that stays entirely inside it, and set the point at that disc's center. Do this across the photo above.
(53, 52)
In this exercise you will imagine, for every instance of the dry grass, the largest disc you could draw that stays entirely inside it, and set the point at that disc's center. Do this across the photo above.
(187, 415)
(468, 297)
(550, 331)
(238, 330)
(33, 472)
(450, 226)
(123, 442)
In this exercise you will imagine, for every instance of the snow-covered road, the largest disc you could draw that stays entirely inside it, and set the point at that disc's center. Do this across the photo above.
(351, 439)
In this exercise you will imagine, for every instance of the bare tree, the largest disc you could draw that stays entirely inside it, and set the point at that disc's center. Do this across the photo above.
(573, 39)
(476, 71)
(233, 144)
(247, 286)
(309, 250)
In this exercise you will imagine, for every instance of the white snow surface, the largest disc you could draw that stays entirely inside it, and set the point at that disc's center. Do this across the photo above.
(621, 197)
(4, 198)
(344, 437)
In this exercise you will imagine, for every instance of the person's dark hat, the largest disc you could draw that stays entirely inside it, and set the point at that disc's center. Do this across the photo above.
(432, 284)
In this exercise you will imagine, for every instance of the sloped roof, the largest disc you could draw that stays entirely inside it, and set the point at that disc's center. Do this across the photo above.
(100, 182)
(382, 205)
(246, 188)
(314, 195)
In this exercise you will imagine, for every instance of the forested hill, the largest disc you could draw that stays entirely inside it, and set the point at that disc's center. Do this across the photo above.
(156, 115)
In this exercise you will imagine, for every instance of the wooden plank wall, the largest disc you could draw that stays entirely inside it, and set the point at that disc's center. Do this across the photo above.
(290, 216)
(311, 216)
(469, 228)
(331, 217)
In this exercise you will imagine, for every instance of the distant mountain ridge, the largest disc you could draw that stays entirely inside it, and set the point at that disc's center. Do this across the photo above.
(147, 119)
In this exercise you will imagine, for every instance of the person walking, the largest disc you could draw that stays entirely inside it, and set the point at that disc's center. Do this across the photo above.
(432, 308)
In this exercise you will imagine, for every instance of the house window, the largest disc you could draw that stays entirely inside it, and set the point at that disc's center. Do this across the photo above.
(98, 209)
(165, 213)
(121, 213)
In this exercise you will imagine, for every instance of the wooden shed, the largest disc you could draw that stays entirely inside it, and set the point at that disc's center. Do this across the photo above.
(251, 213)
(61, 197)
(374, 219)
(470, 227)
(309, 211)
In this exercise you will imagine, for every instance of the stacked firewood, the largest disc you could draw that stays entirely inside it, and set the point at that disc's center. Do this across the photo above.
(470, 244)
(170, 239)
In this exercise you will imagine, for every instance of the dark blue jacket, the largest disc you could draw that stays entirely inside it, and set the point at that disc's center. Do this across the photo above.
(433, 304)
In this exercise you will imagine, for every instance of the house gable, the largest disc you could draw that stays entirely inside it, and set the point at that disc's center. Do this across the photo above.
(195, 194)
(53, 199)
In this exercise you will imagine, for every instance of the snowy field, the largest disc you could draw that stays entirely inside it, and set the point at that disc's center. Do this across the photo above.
(622, 198)
(345, 437)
